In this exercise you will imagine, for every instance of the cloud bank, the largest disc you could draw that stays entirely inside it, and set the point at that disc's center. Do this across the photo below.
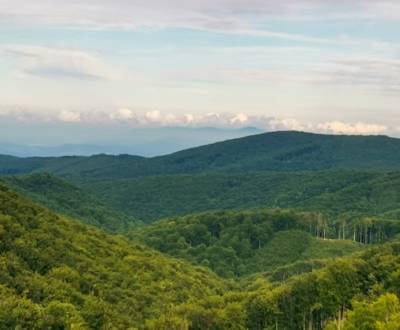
(154, 119)
(284, 56)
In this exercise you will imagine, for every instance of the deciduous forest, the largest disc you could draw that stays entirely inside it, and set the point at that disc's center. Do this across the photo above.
(227, 242)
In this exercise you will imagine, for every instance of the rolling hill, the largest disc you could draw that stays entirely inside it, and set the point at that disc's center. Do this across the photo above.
(333, 174)
(332, 192)
(56, 273)
(278, 151)
(243, 243)
(63, 197)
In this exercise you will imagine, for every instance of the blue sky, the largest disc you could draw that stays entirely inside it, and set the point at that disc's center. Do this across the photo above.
(324, 66)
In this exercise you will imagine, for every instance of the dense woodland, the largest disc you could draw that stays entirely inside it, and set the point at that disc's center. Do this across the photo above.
(313, 244)
(239, 243)
(331, 192)
(117, 204)
(57, 273)
(66, 198)
(277, 151)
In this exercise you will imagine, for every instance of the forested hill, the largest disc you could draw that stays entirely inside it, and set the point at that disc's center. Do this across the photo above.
(291, 151)
(278, 151)
(56, 273)
(241, 243)
(332, 192)
(63, 197)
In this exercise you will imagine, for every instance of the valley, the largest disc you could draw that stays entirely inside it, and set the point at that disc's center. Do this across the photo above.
(233, 241)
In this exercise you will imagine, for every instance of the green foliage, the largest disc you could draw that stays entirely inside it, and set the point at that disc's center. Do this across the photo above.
(63, 197)
(338, 194)
(321, 298)
(381, 314)
(56, 273)
(327, 298)
(302, 268)
(278, 151)
(241, 243)
(266, 170)
(331, 192)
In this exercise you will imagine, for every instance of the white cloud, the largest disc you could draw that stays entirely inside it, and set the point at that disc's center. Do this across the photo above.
(153, 116)
(58, 62)
(287, 124)
(219, 120)
(69, 116)
(338, 127)
(122, 114)
(157, 118)
(189, 118)
(240, 118)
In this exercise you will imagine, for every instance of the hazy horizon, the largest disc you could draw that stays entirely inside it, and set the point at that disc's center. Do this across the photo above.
(150, 142)
(94, 140)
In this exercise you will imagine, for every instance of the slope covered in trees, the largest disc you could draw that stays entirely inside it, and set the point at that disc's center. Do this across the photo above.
(360, 292)
(334, 266)
(241, 243)
(278, 151)
(357, 292)
(63, 197)
(56, 273)
(115, 204)
(59, 274)
(331, 192)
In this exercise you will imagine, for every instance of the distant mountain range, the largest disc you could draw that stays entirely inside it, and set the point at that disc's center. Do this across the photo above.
(278, 151)
(144, 142)
(332, 174)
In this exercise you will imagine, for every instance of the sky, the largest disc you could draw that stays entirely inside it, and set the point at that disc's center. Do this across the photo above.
(312, 65)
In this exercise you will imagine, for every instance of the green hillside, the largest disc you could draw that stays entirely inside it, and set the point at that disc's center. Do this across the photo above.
(288, 151)
(242, 243)
(332, 192)
(330, 262)
(332, 174)
(58, 274)
(63, 197)
(359, 292)
(278, 151)
(76, 168)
